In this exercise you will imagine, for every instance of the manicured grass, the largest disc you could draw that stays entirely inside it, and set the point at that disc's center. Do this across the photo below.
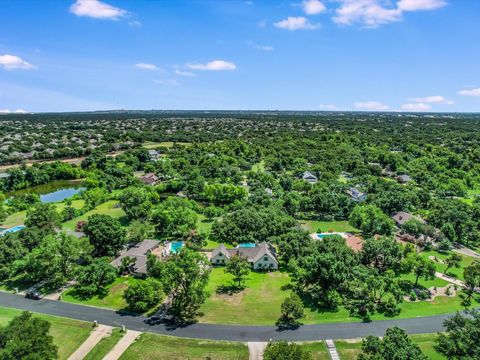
(327, 226)
(204, 225)
(425, 283)
(259, 303)
(107, 208)
(113, 300)
(156, 347)
(426, 343)
(318, 349)
(455, 272)
(348, 349)
(167, 144)
(67, 334)
(104, 346)
(76, 204)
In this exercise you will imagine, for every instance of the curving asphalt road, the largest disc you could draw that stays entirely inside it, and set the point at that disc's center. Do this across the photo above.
(419, 325)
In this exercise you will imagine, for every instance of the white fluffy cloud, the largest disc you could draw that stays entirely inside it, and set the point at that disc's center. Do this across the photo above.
(437, 99)
(416, 5)
(185, 73)
(145, 66)
(215, 65)
(470, 92)
(373, 13)
(416, 107)
(370, 106)
(97, 9)
(313, 7)
(8, 111)
(12, 62)
(296, 23)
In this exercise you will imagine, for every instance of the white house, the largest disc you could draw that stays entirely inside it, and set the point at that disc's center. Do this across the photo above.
(261, 257)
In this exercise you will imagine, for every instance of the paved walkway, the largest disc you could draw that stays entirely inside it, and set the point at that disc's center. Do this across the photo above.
(449, 279)
(467, 252)
(255, 350)
(428, 324)
(122, 345)
(332, 350)
(95, 336)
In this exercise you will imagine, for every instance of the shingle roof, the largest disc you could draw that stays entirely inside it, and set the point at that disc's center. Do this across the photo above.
(139, 252)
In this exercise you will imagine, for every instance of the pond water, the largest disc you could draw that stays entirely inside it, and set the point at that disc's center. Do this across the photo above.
(53, 192)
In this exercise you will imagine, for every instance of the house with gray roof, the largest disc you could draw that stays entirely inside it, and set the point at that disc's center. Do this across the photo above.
(309, 177)
(402, 179)
(139, 252)
(261, 256)
(356, 194)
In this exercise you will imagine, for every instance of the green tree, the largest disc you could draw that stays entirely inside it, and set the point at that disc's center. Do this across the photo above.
(453, 261)
(460, 341)
(281, 350)
(93, 278)
(138, 231)
(27, 338)
(395, 345)
(43, 216)
(136, 203)
(371, 220)
(174, 222)
(3, 212)
(143, 295)
(239, 267)
(421, 267)
(105, 233)
(291, 311)
(224, 193)
(471, 274)
(383, 253)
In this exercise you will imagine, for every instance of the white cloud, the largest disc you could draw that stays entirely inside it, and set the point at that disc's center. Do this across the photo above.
(328, 107)
(416, 5)
(416, 107)
(144, 66)
(97, 9)
(215, 65)
(470, 92)
(260, 47)
(185, 73)
(437, 99)
(313, 7)
(172, 82)
(135, 23)
(12, 62)
(296, 23)
(8, 111)
(371, 106)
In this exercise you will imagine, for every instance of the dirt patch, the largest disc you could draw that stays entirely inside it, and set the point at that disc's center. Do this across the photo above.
(436, 259)
(232, 299)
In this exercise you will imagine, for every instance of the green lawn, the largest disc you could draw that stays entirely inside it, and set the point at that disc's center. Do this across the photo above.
(426, 343)
(104, 346)
(113, 300)
(318, 349)
(107, 208)
(157, 347)
(259, 303)
(167, 144)
(455, 272)
(348, 349)
(67, 334)
(327, 226)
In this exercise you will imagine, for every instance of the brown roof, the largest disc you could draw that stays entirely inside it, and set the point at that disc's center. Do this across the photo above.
(354, 242)
(402, 217)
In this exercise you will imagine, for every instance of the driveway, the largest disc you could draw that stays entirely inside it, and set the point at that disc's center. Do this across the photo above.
(223, 332)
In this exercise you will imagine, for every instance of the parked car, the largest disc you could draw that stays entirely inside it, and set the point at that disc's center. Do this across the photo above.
(33, 294)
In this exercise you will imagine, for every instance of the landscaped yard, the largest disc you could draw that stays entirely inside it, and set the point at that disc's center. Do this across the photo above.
(67, 334)
(455, 272)
(318, 349)
(107, 208)
(348, 349)
(156, 347)
(313, 226)
(259, 303)
(113, 300)
(104, 346)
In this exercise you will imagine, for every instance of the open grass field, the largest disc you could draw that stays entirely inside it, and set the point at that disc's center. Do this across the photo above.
(107, 208)
(327, 226)
(67, 334)
(455, 272)
(167, 144)
(349, 349)
(259, 303)
(318, 350)
(156, 347)
(113, 300)
(104, 346)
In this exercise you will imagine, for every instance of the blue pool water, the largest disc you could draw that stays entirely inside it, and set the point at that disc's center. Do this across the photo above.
(324, 235)
(247, 245)
(176, 246)
(12, 230)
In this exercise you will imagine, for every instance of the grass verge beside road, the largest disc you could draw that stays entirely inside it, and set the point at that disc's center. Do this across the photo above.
(104, 346)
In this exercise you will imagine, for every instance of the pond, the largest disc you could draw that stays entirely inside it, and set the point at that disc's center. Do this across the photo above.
(52, 192)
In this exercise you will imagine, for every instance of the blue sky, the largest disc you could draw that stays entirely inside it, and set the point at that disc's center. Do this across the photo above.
(71, 55)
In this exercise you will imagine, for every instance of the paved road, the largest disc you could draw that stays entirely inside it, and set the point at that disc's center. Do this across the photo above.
(223, 332)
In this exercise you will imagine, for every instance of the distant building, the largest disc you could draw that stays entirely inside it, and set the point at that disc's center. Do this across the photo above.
(356, 194)
(260, 256)
(402, 217)
(149, 179)
(309, 177)
(404, 179)
(154, 155)
(139, 252)
(4, 175)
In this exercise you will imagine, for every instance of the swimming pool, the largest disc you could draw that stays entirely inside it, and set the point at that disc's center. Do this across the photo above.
(321, 236)
(247, 245)
(176, 246)
(12, 230)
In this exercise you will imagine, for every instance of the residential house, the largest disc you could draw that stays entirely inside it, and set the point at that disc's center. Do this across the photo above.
(309, 177)
(402, 217)
(402, 179)
(260, 256)
(154, 155)
(149, 179)
(139, 252)
(356, 194)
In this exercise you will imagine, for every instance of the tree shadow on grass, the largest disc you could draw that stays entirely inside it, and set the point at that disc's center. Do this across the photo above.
(229, 289)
